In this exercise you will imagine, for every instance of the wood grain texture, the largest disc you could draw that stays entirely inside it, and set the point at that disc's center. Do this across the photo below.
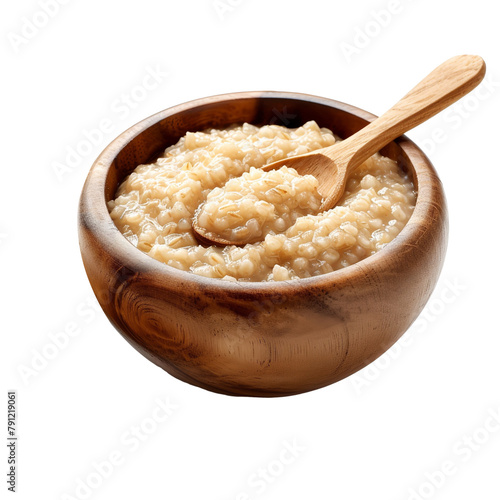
(259, 339)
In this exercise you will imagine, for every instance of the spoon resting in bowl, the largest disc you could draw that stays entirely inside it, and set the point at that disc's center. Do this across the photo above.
(334, 164)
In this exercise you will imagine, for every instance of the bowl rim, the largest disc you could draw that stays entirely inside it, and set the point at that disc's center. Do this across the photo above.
(99, 222)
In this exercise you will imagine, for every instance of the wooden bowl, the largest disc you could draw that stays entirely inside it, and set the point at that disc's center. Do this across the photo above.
(259, 339)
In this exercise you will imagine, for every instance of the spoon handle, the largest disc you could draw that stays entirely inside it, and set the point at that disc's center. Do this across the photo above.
(446, 84)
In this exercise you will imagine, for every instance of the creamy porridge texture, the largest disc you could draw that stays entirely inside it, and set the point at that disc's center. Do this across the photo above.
(249, 207)
(155, 204)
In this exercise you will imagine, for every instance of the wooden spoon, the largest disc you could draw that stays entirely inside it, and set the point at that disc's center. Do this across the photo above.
(332, 165)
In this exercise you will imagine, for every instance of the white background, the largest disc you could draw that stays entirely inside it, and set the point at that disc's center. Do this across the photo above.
(381, 434)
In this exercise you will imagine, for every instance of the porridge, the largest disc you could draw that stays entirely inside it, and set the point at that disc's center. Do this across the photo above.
(249, 207)
(155, 205)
